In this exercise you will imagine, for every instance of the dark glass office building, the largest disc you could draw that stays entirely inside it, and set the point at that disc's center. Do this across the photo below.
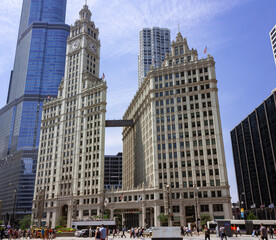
(254, 151)
(113, 171)
(38, 69)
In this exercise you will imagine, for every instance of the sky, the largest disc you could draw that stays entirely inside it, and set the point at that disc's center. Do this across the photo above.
(236, 33)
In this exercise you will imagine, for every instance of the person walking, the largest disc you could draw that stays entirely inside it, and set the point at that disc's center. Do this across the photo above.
(263, 232)
(98, 234)
(222, 233)
(103, 232)
(182, 231)
(43, 234)
(123, 232)
(114, 233)
(2, 233)
(271, 232)
(238, 230)
(207, 232)
(132, 232)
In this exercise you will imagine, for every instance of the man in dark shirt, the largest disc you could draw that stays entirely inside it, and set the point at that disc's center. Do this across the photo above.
(263, 232)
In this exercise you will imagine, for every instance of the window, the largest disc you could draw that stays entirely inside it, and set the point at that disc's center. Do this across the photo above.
(217, 207)
(204, 208)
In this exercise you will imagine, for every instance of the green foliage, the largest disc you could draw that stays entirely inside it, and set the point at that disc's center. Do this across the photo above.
(26, 222)
(163, 219)
(204, 218)
(251, 216)
(105, 217)
(61, 221)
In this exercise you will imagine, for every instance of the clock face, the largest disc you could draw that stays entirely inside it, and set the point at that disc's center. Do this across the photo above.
(92, 47)
(74, 45)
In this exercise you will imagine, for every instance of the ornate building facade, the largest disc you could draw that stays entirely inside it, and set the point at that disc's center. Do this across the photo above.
(173, 154)
(71, 151)
(177, 139)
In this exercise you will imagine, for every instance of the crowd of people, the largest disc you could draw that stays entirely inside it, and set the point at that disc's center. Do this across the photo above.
(10, 233)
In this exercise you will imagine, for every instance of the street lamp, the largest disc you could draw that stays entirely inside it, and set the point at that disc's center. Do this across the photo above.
(196, 198)
(241, 204)
(14, 203)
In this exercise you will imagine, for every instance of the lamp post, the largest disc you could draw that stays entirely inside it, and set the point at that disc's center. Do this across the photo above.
(241, 204)
(196, 199)
(14, 203)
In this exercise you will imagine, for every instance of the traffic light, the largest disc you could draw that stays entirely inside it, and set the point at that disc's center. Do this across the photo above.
(172, 218)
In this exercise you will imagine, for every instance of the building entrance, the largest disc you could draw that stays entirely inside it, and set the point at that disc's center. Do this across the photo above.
(64, 213)
(190, 214)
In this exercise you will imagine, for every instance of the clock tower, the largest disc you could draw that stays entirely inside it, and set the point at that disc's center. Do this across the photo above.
(74, 188)
(84, 39)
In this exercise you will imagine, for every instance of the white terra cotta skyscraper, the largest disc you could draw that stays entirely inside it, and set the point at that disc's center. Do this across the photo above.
(71, 151)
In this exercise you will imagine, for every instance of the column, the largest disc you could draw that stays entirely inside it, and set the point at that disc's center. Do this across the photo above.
(182, 215)
(143, 217)
(156, 214)
(80, 214)
(54, 218)
(123, 220)
(111, 214)
(211, 210)
(69, 217)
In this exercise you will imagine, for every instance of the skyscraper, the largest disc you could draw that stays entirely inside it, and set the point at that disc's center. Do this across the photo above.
(38, 69)
(272, 36)
(113, 171)
(70, 165)
(254, 152)
(154, 43)
(176, 139)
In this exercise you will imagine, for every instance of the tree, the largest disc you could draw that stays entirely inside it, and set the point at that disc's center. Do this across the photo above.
(251, 216)
(204, 218)
(25, 222)
(163, 219)
(61, 221)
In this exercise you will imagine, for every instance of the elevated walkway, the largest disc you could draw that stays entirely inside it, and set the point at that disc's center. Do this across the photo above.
(119, 123)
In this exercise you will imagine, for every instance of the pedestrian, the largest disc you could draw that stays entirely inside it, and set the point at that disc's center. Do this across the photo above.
(182, 231)
(238, 231)
(222, 233)
(132, 232)
(263, 232)
(43, 234)
(271, 232)
(114, 233)
(98, 234)
(2, 233)
(103, 232)
(207, 232)
(123, 232)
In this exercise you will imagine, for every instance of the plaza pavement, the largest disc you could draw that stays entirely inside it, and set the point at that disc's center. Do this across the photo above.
(201, 237)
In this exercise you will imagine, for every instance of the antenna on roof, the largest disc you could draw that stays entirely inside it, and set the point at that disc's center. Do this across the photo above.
(178, 28)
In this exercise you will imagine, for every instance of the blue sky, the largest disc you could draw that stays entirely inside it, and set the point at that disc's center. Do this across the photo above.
(236, 33)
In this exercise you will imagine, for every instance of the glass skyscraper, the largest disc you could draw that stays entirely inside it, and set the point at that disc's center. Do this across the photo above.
(38, 69)
(154, 43)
